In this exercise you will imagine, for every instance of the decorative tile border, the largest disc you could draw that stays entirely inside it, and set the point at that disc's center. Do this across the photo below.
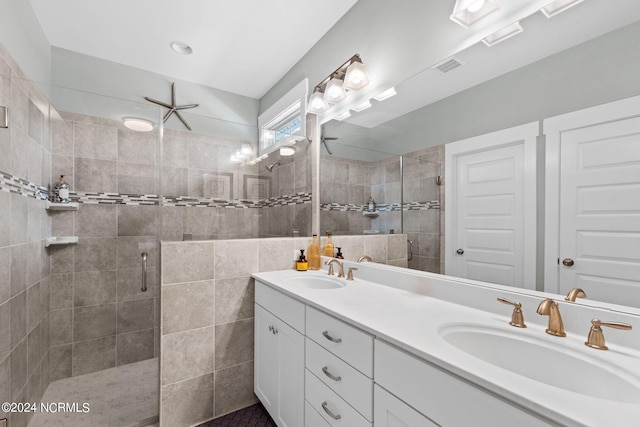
(409, 206)
(13, 184)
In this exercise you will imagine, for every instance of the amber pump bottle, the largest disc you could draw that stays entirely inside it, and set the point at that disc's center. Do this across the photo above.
(313, 253)
(302, 264)
(328, 247)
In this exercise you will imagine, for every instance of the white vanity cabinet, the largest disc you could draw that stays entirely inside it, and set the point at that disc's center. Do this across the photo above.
(279, 356)
(444, 398)
(339, 371)
(392, 412)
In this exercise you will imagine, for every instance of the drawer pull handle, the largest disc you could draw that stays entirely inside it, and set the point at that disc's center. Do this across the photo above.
(330, 338)
(330, 375)
(328, 411)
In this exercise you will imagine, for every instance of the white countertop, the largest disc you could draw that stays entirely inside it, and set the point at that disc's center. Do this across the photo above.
(413, 322)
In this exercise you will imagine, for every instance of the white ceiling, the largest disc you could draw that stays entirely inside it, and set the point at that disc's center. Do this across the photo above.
(240, 46)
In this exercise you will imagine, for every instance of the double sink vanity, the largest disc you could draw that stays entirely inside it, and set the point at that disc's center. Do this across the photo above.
(398, 347)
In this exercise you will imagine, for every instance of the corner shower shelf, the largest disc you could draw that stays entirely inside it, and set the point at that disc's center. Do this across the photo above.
(60, 240)
(370, 214)
(52, 206)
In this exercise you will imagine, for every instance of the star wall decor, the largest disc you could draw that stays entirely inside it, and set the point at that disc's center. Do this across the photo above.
(173, 108)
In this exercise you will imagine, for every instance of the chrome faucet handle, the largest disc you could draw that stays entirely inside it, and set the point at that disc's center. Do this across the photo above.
(350, 273)
(517, 318)
(549, 307)
(595, 339)
(575, 293)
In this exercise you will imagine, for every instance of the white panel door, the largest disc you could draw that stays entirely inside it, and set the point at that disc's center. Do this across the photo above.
(265, 377)
(490, 210)
(599, 246)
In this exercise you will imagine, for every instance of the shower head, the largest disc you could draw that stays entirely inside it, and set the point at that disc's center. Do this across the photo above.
(271, 166)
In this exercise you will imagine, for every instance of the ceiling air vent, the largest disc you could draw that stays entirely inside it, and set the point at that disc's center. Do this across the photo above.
(448, 65)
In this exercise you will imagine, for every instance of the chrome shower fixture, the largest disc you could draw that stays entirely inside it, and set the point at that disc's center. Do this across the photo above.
(271, 166)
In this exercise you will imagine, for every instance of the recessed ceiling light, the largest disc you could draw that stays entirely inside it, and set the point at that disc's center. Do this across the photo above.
(138, 124)
(386, 94)
(503, 34)
(558, 6)
(181, 48)
(468, 12)
(363, 106)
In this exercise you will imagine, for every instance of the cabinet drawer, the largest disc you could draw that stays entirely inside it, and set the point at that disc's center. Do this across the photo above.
(341, 377)
(282, 306)
(329, 405)
(439, 395)
(391, 411)
(350, 344)
(313, 418)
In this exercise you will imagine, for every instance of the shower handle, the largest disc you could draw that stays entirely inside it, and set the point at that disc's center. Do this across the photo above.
(410, 254)
(144, 272)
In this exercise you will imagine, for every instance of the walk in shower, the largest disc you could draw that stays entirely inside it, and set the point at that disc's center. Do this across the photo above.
(365, 191)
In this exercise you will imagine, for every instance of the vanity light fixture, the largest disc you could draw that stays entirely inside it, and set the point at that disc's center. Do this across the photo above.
(317, 104)
(386, 94)
(356, 76)
(138, 124)
(352, 75)
(468, 12)
(334, 92)
(342, 116)
(558, 6)
(503, 34)
(363, 106)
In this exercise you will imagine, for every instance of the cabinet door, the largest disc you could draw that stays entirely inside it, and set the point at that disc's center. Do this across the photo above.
(392, 412)
(290, 371)
(265, 360)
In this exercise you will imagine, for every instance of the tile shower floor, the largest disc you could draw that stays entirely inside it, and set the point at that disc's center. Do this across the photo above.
(253, 416)
(125, 396)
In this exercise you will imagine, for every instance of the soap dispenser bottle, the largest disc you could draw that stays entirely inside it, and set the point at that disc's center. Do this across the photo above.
(302, 264)
(328, 247)
(61, 191)
(372, 204)
(339, 254)
(314, 253)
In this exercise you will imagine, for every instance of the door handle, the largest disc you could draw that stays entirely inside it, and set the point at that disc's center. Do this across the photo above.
(143, 288)
(568, 262)
(460, 251)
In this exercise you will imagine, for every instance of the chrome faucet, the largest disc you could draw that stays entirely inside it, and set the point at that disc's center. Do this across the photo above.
(340, 267)
(365, 258)
(549, 307)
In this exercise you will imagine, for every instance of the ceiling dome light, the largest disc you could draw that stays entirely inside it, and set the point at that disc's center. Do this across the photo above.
(181, 48)
(334, 91)
(287, 151)
(468, 12)
(138, 124)
(317, 104)
(356, 76)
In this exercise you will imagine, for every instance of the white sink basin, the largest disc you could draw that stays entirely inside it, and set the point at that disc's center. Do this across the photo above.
(315, 281)
(541, 360)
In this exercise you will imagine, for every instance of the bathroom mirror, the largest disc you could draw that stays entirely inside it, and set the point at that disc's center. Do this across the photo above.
(472, 99)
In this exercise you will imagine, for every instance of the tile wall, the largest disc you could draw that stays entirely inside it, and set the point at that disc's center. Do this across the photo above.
(24, 263)
(292, 177)
(425, 227)
(207, 317)
(347, 185)
(99, 316)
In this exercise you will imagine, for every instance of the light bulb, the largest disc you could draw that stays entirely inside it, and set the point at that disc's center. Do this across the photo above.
(475, 6)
